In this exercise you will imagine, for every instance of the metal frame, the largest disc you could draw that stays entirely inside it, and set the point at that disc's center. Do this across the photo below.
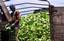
(50, 12)
(29, 7)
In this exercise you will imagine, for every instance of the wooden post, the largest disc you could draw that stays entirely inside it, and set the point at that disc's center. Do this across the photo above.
(58, 24)
(9, 18)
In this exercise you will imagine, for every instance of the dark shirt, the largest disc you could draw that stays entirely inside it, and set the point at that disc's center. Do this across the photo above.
(17, 18)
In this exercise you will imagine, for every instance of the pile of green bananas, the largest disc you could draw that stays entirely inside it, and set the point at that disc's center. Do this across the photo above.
(35, 27)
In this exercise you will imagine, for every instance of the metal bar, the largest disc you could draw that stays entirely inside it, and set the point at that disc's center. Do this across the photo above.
(27, 14)
(29, 7)
(26, 11)
(23, 14)
(29, 3)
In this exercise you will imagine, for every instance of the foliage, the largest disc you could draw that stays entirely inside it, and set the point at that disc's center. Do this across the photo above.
(34, 27)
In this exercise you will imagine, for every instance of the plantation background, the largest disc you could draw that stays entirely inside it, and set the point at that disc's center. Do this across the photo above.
(35, 27)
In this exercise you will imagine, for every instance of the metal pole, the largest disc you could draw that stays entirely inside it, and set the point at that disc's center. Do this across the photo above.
(51, 25)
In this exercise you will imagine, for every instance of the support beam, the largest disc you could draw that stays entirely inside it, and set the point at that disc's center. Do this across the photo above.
(6, 13)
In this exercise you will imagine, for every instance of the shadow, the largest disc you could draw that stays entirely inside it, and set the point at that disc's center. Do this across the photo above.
(4, 36)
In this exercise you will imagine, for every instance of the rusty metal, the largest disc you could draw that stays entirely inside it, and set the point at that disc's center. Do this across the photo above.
(5, 10)
(51, 27)
(57, 23)
(56, 27)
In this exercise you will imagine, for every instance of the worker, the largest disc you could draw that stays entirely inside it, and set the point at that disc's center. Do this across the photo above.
(15, 24)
